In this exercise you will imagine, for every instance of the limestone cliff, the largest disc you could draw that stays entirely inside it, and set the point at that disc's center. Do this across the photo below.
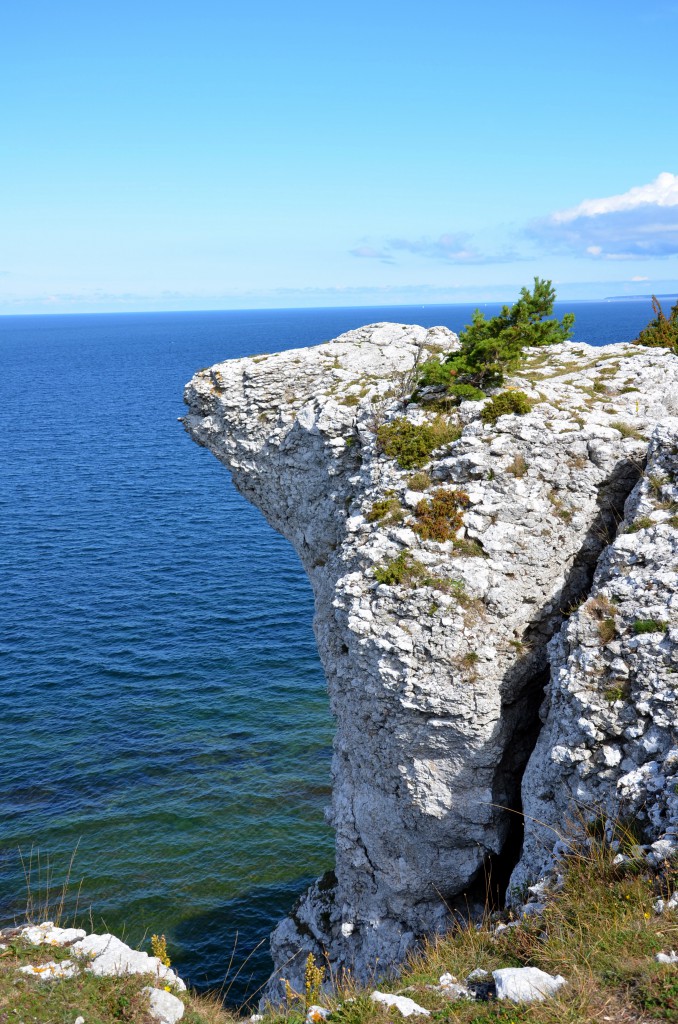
(435, 681)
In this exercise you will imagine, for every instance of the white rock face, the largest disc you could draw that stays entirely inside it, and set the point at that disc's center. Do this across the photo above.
(108, 955)
(435, 689)
(526, 984)
(610, 740)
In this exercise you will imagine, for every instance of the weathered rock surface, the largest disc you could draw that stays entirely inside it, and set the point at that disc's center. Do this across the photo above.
(435, 688)
(609, 745)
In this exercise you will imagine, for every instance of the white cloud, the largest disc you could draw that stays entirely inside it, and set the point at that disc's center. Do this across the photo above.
(663, 191)
(639, 277)
(642, 222)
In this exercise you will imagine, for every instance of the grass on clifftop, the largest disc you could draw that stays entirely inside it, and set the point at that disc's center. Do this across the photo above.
(599, 931)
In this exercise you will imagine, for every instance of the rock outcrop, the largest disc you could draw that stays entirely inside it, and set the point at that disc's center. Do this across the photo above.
(436, 663)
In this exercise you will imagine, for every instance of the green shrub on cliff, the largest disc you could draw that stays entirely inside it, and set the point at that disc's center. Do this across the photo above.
(662, 331)
(504, 404)
(412, 444)
(387, 510)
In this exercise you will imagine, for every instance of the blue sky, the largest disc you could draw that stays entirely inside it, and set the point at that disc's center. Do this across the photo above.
(219, 155)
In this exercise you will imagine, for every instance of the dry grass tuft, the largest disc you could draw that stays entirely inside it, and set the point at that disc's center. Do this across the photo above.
(518, 467)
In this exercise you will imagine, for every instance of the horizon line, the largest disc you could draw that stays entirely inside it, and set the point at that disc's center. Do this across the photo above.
(373, 305)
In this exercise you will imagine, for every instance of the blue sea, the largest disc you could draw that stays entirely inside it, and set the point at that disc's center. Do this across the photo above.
(162, 705)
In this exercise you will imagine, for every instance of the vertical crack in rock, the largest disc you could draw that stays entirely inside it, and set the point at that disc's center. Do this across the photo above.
(523, 695)
(434, 677)
(609, 746)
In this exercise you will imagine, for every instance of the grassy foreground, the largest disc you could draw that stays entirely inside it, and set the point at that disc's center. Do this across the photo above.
(600, 931)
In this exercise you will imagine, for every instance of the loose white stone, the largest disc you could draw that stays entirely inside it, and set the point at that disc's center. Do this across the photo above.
(166, 1008)
(663, 849)
(450, 988)
(667, 958)
(661, 905)
(477, 974)
(404, 1004)
(315, 1014)
(526, 984)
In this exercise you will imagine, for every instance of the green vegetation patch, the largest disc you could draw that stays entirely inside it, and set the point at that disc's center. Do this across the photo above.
(420, 481)
(406, 571)
(603, 611)
(618, 692)
(466, 392)
(518, 467)
(641, 523)
(649, 626)
(387, 510)
(626, 430)
(599, 931)
(411, 444)
(607, 630)
(506, 404)
(468, 547)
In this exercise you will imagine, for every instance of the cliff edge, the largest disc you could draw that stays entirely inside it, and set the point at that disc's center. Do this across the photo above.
(441, 573)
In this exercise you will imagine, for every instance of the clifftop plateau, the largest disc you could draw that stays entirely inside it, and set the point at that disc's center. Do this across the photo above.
(496, 616)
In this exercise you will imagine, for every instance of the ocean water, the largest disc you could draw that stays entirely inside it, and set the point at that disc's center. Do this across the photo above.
(162, 705)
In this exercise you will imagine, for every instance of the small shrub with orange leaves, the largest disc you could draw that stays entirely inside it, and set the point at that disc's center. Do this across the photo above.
(440, 516)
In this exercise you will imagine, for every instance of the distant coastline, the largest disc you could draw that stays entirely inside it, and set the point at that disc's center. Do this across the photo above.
(636, 298)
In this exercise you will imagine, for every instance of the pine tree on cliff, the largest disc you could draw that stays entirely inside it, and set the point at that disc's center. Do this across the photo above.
(491, 348)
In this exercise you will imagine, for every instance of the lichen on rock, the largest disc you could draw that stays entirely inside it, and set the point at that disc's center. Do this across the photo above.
(435, 682)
